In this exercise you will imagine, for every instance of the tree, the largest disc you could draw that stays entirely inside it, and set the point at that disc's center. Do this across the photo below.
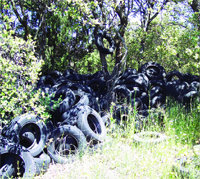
(195, 5)
(172, 40)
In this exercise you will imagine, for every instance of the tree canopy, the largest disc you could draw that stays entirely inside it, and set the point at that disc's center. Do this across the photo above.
(166, 31)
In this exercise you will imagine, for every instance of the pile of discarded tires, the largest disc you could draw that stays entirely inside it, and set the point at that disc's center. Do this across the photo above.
(143, 89)
(28, 144)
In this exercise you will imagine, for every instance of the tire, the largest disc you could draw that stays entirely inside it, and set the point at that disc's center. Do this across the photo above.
(99, 43)
(190, 78)
(158, 101)
(98, 85)
(128, 72)
(64, 92)
(160, 83)
(171, 75)
(121, 114)
(139, 137)
(137, 104)
(42, 163)
(80, 87)
(155, 91)
(91, 124)
(29, 131)
(106, 119)
(81, 98)
(65, 105)
(135, 92)
(56, 75)
(122, 94)
(7, 168)
(145, 98)
(15, 161)
(70, 117)
(153, 71)
(66, 136)
(139, 80)
(102, 105)
(195, 86)
(171, 88)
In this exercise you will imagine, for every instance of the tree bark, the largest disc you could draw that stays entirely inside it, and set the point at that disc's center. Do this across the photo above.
(195, 5)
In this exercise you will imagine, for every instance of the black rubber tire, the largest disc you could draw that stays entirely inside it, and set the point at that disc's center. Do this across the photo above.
(98, 85)
(153, 71)
(137, 104)
(171, 75)
(122, 94)
(195, 86)
(80, 87)
(158, 101)
(65, 105)
(56, 74)
(81, 98)
(120, 114)
(99, 43)
(91, 124)
(171, 88)
(29, 131)
(135, 91)
(14, 156)
(70, 117)
(139, 80)
(64, 92)
(128, 72)
(139, 137)
(46, 80)
(7, 169)
(66, 136)
(42, 163)
(155, 91)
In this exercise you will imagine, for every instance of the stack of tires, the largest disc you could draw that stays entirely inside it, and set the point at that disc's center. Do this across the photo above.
(157, 78)
(142, 89)
(182, 87)
(28, 144)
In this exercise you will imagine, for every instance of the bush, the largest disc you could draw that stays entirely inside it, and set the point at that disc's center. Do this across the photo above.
(19, 69)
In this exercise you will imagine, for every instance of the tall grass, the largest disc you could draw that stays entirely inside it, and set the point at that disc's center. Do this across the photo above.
(183, 124)
(120, 157)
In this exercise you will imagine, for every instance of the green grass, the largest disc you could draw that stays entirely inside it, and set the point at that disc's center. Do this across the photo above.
(120, 157)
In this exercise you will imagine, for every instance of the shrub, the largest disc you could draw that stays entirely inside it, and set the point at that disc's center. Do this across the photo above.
(19, 70)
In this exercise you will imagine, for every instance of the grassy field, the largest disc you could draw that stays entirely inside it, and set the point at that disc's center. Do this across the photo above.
(121, 157)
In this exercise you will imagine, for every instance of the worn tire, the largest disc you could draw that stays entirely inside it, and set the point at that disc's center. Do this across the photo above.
(139, 137)
(29, 131)
(14, 156)
(42, 163)
(91, 124)
(153, 71)
(65, 142)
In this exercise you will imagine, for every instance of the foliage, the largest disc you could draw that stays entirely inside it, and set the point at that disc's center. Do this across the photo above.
(169, 41)
(183, 125)
(19, 70)
(166, 31)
